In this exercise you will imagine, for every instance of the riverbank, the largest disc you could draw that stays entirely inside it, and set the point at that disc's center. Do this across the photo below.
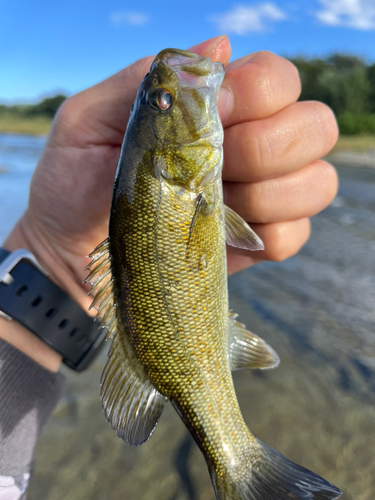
(13, 124)
(363, 144)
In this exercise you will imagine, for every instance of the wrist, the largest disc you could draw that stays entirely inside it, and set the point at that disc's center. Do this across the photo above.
(26, 342)
(55, 261)
(13, 332)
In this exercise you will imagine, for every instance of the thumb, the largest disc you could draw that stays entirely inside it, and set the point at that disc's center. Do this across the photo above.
(217, 49)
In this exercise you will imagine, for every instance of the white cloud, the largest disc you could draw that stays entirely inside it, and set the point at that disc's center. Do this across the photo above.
(120, 18)
(357, 14)
(245, 18)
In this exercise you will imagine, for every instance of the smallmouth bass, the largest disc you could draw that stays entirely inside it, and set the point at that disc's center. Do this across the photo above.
(160, 287)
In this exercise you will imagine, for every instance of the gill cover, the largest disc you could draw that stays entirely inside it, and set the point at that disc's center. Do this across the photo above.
(186, 126)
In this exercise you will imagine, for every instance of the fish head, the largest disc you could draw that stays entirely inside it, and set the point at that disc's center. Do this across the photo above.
(178, 99)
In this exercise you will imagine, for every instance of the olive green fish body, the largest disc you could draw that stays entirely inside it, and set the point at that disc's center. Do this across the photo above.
(160, 287)
(177, 309)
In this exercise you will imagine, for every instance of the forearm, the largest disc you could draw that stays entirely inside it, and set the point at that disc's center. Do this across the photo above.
(22, 339)
(58, 272)
(18, 336)
(28, 395)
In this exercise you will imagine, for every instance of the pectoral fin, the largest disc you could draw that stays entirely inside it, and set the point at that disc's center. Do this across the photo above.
(132, 405)
(247, 350)
(199, 206)
(238, 233)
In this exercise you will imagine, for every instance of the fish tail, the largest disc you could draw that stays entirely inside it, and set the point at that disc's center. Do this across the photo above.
(268, 475)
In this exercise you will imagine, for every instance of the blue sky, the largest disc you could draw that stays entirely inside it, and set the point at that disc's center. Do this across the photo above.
(49, 46)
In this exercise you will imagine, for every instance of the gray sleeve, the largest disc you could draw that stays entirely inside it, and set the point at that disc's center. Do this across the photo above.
(28, 395)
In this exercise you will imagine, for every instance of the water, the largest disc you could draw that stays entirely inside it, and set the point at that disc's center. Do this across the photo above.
(18, 157)
(317, 310)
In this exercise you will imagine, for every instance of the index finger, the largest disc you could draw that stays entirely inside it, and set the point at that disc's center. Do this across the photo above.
(256, 87)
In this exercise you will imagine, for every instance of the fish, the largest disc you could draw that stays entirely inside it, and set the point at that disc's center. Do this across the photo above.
(159, 283)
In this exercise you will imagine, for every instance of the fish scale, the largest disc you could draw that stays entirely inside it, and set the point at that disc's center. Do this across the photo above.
(160, 287)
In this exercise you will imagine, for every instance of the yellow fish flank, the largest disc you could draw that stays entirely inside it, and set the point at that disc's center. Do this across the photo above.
(160, 287)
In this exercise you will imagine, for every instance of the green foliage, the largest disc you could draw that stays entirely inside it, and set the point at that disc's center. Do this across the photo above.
(371, 79)
(346, 84)
(356, 123)
(47, 108)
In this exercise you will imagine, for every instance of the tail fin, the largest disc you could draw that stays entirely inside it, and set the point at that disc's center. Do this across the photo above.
(274, 477)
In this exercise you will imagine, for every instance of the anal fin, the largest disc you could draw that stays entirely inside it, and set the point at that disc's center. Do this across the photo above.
(247, 350)
(132, 405)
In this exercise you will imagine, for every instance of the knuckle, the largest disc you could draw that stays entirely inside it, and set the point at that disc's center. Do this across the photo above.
(259, 150)
(330, 180)
(277, 80)
(66, 110)
(321, 117)
(324, 114)
(280, 248)
(293, 76)
(287, 239)
(257, 206)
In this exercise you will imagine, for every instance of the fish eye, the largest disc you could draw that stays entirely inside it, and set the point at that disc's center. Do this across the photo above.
(161, 99)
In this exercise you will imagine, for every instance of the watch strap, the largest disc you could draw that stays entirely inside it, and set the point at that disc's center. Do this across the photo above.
(31, 298)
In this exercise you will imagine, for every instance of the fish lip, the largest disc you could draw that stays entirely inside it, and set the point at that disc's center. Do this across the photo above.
(192, 70)
(166, 54)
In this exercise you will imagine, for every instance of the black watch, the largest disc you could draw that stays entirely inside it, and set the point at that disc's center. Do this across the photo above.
(31, 298)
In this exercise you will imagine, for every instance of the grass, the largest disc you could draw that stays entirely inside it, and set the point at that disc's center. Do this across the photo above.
(12, 124)
(356, 143)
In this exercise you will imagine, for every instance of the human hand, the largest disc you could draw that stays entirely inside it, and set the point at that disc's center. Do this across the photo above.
(272, 175)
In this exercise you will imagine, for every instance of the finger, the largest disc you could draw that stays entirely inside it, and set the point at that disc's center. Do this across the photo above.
(264, 149)
(218, 49)
(257, 86)
(294, 196)
(281, 240)
(103, 110)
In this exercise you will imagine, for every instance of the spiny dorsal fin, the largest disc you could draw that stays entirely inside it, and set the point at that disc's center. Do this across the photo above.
(238, 233)
(247, 350)
(131, 403)
(101, 281)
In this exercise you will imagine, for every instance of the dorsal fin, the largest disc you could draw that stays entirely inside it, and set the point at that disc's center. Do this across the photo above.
(101, 281)
(247, 350)
(132, 405)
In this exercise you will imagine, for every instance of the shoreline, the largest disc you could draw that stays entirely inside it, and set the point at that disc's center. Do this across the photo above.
(356, 151)
(352, 159)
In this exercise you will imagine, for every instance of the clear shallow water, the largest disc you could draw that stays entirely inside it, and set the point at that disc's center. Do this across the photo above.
(18, 157)
(318, 407)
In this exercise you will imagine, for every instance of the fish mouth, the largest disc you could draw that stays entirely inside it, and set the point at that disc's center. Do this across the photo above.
(192, 70)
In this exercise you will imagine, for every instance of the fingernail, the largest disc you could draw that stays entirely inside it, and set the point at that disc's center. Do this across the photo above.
(225, 103)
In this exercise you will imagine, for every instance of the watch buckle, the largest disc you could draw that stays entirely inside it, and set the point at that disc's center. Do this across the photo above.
(10, 263)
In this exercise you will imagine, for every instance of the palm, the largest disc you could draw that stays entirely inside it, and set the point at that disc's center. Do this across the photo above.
(71, 201)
